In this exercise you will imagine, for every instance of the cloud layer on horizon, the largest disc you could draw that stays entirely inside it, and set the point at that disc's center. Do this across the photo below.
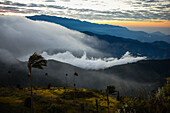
(120, 10)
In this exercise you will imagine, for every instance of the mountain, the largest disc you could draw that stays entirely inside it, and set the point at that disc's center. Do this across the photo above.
(145, 75)
(118, 46)
(103, 29)
(158, 33)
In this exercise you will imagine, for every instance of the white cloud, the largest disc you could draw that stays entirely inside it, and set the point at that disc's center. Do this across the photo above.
(50, 1)
(129, 10)
(22, 36)
(92, 63)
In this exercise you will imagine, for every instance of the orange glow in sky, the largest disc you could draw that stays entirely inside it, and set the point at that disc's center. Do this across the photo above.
(163, 23)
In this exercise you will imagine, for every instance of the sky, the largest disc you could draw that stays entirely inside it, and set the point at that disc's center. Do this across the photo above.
(134, 14)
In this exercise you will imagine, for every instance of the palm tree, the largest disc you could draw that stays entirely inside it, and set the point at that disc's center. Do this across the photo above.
(109, 90)
(75, 74)
(66, 85)
(35, 61)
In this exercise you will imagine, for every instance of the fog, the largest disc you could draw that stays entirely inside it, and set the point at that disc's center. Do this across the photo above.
(89, 63)
(22, 36)
(7, 57)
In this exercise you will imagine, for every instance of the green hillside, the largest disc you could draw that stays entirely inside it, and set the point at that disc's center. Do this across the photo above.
(70, 100)
(53, 100)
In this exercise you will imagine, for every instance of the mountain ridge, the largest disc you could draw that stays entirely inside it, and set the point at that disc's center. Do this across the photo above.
(118, 46)
(102, 29)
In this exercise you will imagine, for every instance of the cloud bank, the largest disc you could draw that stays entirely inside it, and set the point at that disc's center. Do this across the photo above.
(7, 58)
(92, 63)
(89, 63)
(21, 36)
(120, 10)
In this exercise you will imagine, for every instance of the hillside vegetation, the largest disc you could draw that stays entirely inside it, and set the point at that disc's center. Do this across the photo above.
(53, 100)
(70, 100)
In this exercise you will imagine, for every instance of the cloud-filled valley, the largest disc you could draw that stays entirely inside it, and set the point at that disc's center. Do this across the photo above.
(92, 63)
(89, 63)
(21, 37)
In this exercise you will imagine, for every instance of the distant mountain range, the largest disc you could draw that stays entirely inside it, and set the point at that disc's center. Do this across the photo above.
(21, 37)
(128, 78)
(103, 29)
(117, 46)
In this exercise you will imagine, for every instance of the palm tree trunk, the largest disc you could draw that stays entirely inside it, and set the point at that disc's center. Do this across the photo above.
(66, 84)
(30, 80)
(97, 107)
(74, 87)
(108, 102)
(118, 97)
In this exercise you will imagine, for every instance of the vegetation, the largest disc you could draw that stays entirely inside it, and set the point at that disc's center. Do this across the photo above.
(35, 61)
(56, 100)
(157, 102)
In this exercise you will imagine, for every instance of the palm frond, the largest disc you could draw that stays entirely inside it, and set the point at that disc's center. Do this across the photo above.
(37, 61)
(76, 74)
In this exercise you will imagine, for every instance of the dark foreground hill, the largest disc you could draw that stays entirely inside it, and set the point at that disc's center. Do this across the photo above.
(143, 75)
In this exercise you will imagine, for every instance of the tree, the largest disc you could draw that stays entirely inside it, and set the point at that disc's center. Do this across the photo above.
(109, 90)
(35, 61)
(66, 85)
(49, 86)
(75, 74)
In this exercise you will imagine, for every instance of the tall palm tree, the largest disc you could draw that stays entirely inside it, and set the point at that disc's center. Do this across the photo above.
(75, 74)
(109, 90)
(66, 85)
(35, 61)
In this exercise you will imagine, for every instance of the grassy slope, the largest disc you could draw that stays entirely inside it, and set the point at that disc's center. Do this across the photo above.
(54, 99)
(60, 100)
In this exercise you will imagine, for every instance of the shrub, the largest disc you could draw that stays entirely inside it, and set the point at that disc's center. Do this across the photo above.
(27, 102)
(49, 86)
(54, 108)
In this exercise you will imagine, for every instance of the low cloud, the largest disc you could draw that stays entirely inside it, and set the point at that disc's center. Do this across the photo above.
(21, 36)
(90, 63)
(6, 57)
